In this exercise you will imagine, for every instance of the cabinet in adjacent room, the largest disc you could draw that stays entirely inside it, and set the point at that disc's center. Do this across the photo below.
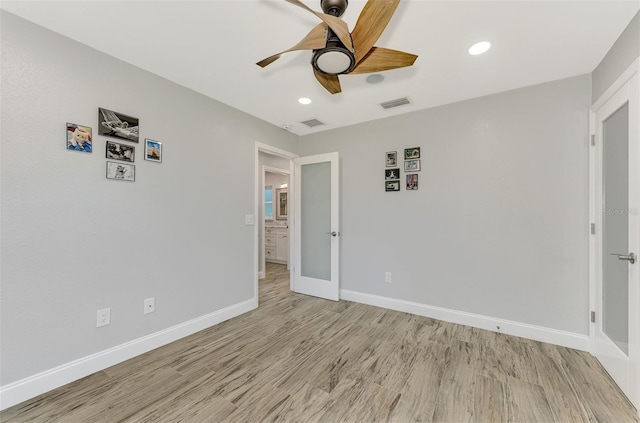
(276, 244)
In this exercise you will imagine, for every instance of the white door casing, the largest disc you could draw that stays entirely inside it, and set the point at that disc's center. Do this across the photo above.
(619, 353)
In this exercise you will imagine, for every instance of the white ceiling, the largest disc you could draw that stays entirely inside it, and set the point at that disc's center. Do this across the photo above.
(212, 46)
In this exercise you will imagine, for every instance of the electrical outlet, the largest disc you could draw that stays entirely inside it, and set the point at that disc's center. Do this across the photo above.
(387, 277)
(149, 305)
(104, 317)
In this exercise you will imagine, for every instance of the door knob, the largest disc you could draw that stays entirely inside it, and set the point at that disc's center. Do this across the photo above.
(333, 233)
(629, 257)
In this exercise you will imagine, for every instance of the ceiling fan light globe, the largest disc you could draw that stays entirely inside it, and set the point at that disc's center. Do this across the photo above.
(333, 61)
(334, 7)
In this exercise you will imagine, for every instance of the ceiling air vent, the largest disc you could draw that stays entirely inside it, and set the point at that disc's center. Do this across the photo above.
(395, 103)
(313, 122)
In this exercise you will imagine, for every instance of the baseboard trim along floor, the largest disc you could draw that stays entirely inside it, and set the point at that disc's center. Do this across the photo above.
(523, 330)
(27, 388)
(32, 386)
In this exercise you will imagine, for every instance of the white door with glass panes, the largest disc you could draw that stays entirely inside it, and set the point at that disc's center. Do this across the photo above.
(317, 226)
(616, 241)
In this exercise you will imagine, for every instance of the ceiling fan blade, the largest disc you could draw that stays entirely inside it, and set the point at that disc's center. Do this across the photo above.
(371, 23)
(337, 25)
(381, 59)
(330, 82)
(316, 38)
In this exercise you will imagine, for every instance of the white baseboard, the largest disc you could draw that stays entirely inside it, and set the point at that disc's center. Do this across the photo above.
(32, 386)
(524, 330)
(262, 275)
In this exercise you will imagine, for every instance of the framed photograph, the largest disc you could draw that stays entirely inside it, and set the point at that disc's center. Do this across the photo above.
(411, 165)
(117, 125)
(412, 153)
(152, 150)
(79, 138)
(282, 203)
(391, 158)
(392, 186)
(123, 152)
(391, 174)
(412, 182)
(121, 171)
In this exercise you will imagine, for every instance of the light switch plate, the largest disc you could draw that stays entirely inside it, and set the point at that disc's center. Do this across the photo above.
(248, 219)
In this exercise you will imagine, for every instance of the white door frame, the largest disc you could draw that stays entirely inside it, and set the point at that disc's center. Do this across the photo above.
(257, 211)
(627, 86)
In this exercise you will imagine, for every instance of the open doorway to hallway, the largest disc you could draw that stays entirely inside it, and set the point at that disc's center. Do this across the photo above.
(274, 200)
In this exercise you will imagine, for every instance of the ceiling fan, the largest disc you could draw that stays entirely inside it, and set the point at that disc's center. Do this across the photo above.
(338, 52)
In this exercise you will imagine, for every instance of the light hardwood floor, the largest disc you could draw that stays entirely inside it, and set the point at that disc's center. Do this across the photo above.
(303, 359)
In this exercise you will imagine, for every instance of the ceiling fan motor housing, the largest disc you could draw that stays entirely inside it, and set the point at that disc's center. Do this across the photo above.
(335, 58)
(334, 7)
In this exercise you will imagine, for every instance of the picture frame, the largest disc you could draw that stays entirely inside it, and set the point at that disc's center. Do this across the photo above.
(79, 138)
(391, 186)
(121, 171)
(117, 151)
(412, 153)
(412, 165)
(282, 203)
(152, 150)
(391, 158)
(412, 181)
(392, 174)
(118, 125)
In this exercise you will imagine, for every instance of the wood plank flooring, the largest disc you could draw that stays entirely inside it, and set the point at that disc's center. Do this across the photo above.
(304, 359)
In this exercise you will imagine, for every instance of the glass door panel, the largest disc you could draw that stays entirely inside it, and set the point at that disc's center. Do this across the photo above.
(316, 220)
(616, 228)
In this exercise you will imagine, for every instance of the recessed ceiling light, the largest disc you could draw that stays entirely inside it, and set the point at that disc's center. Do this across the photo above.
(304, 100)
(479, 48)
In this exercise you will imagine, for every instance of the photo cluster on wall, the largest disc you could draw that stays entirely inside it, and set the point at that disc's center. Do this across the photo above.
(120, 154)
(392, 177)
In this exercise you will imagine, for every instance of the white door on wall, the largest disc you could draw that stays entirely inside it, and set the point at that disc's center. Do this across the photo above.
(617, 243)
(317, 226)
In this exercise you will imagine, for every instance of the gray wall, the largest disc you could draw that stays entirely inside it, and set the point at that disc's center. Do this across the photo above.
(499, 224)
(624, 51)
(74, 242)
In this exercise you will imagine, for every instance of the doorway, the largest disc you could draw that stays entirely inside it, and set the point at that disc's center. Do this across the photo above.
(615, 240)
(275, 228)
(310, 223)
(273, 160)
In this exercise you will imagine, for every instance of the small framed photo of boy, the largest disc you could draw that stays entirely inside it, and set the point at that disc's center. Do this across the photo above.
(152, 150)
